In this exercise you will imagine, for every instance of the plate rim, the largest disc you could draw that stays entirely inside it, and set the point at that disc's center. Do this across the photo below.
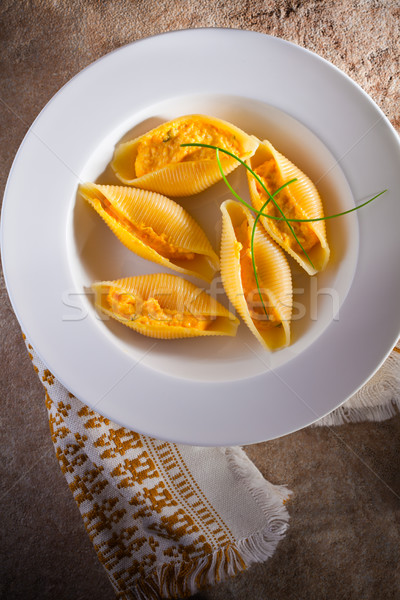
(30, 132)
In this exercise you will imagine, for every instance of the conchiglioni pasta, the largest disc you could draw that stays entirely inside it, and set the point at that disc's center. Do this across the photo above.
(163, 306)
(299, 200)
(154, 227)
(156, 161)
(268, 319)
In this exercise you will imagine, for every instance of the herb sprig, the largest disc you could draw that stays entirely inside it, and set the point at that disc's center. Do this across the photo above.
(259, 213)
(271, 197)
(283, 218)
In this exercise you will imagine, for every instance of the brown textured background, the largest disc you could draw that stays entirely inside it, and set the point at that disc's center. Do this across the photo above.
(344, 536)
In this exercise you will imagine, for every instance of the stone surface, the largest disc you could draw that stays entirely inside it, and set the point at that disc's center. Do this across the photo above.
(344, 536)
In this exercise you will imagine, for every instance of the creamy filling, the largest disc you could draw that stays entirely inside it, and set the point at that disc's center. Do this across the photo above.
(146, 234)
(269, 173)
(163, 147)
(262, 319)
(149, 312)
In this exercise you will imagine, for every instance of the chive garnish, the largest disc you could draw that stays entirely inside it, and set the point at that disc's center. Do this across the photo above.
(217, 148)
(253, 260)
(259, 213)
(345, 212)
(283, 218)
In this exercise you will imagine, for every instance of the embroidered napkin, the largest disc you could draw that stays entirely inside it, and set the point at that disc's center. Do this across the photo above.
(166, 519)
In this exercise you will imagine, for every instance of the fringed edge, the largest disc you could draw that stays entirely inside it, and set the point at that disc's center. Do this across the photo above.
(343, 414)
(270, 498)
(183, 579)
(378, 400)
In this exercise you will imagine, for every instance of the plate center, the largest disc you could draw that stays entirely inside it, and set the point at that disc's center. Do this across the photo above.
(95, 254)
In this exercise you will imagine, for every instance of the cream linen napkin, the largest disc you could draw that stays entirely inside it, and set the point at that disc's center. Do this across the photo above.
(167, 519)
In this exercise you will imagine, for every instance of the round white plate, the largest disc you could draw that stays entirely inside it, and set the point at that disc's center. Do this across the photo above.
(207, 391)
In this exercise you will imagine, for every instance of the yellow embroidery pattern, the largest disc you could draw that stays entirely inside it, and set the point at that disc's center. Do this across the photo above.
(154, 530)
(141, 506)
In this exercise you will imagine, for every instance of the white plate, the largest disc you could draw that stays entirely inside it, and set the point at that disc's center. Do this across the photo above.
(207, 391)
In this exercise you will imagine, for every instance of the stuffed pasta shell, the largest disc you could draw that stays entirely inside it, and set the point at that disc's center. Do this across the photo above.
(299, 200)
(268, 317)
(163, 306)
(154, 227)
(157, 161)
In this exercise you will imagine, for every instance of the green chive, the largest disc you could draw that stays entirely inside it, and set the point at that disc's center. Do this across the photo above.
(271, 197)
(346, 212)
(262, 185)
(253, 260)
(259, 213)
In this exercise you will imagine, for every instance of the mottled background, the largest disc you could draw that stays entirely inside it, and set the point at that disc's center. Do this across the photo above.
(344, 536)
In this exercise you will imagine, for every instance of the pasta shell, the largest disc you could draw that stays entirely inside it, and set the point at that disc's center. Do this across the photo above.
(274, 277)
(156, 161)
(154, 227)
(163, 306)
(300, 200)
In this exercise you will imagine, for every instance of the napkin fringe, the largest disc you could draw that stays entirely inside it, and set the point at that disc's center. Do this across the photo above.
(364, 406)
(343, 415)
(184, 579)
(271, 499)
(359, 415)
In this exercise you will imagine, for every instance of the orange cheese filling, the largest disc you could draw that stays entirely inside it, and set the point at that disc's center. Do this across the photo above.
(146, 234)
(262, 319)
(149, 312)
(268, 172)
(163, 146)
